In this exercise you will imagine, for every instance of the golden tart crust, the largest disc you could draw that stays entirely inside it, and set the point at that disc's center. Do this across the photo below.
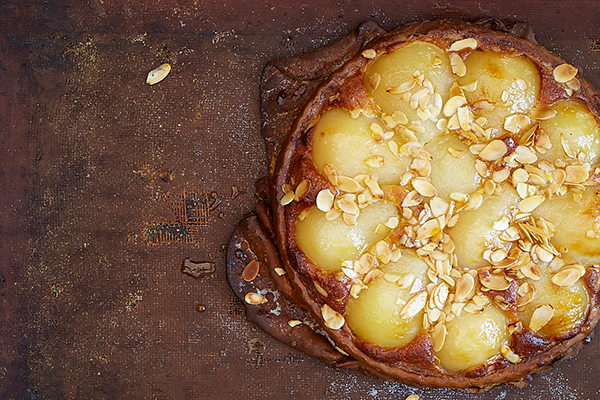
(498, 288)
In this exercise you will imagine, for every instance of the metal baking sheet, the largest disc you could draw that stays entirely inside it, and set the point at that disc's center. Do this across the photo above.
(118, 198)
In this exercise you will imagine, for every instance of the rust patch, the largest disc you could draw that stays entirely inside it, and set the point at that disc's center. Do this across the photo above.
(192, 211)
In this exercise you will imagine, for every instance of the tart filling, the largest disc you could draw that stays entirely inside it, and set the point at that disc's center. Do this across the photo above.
(441, 196)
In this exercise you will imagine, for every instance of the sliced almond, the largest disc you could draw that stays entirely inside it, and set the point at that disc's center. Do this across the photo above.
(280, 271)
(494, 150)
(324, 200)
(414, 306)
(438, 336)
(452, 105)
(531, 271)
(564, 73)
(525, 155)
(404, 87)
(348, 185)
(516, 123)
(287, 198)
(464, 287)
(294, 322)
(576, 174)
(332, 318)
(375, 161)
(468, 43)
(254, 299)
(541, 316)
(250, 272)
(374, 80)
(529, 204)
(369, 53)
(331, 174)
(458, 65)
(567, 276)
(511, 356)
(302, 190)
(423, 187)
(495, 282)
(543, 112)
(158, 74)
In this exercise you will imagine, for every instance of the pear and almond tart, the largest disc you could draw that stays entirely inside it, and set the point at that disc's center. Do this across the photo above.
(437, 207)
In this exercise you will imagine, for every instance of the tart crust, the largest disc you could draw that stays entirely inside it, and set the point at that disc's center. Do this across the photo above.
(295, 93)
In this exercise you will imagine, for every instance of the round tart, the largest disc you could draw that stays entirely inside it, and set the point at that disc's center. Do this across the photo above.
(436, 207)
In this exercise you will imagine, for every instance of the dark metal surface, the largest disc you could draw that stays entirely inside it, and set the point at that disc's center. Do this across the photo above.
(118, 198)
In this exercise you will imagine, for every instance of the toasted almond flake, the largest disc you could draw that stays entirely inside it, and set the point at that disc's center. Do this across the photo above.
(280, 271)
(500, 175)
(250, 272)
(348, 185)
(413, 198)
(505, 95)
(574, 84)
(529, 204)
(468, 43)
(331, 174)
(302, 190)
(404, 87)
(438, 336)
(464, 118)
(294, 322)
(464, 287)
(428, 229)
(374, 80)
(438, 206)
(459, 197)
(158, 74)
(541, 316)
(495, 282)
(453, 104)
(374, 187)
(393, 147)
(525, 155)
(375, 161)
(383, 252)
(498, 256)
(564, 73)
(320, 289)
(414, 306)
(456, 153)
(521, 84)
(543, 112)
(287, 198)
(474, 202)
(509, 354)
(566, 147)
(543, 254)
(493, 151)
(347, 206)
(333, 214)
(254, 299)
(324, 200)
(531, 271)
(516, 123)
(423, 187)
(567, 276)
(576, 174)
(349, 219)
(332, 318)
(458, 65)
(413, 397)
(392, 222)
(369, 53)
